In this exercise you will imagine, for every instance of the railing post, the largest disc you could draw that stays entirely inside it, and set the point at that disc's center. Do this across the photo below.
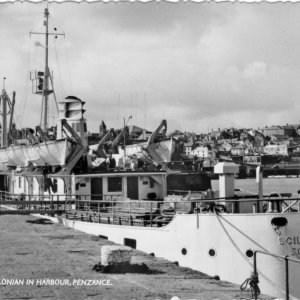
(29, 204)
(255, 272)
(113, 212)
(151, 214)
(287, 292)
(197, 215)
(130, 223)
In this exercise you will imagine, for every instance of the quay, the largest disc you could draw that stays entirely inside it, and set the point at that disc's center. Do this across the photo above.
(50, 261)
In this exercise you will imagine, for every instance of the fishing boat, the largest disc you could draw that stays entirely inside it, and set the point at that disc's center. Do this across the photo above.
(169, 213)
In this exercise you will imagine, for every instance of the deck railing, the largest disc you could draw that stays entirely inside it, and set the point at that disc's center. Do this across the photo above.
(115, 209)
(286, 259)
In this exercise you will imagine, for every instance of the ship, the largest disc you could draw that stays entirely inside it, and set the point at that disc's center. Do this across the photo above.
(148, 206)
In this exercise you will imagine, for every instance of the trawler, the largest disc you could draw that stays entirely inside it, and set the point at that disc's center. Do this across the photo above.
(149, 206)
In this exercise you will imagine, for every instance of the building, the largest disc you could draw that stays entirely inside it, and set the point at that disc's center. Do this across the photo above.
(203, 152)
(187, 148)
(238, 150)
(287, 130)
(284, 150)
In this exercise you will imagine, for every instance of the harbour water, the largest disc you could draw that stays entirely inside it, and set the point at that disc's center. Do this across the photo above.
(270, 185)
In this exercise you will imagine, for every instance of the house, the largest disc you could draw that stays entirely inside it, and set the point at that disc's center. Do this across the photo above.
(187, 148)
(281, 139)
(203, 151)
(238, 150)
(278, 150)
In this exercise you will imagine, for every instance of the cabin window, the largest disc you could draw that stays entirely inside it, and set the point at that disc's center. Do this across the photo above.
(20, 182)
(84, 127)
(114, 184)
(54, 186)
(151, 182)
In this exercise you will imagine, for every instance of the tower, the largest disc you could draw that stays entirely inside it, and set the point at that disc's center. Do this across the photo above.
(102, 128)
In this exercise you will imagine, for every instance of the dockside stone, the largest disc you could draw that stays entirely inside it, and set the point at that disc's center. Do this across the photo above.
(111, 255)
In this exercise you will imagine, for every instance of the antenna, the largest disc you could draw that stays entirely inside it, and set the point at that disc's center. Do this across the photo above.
(136, 109)
(4, 78)
(118, 109)
(145, 102)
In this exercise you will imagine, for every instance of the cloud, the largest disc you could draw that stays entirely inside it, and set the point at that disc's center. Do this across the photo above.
(256, 69)
(198, 66)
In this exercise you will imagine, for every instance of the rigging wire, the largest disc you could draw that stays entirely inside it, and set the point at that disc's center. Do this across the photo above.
(41, 120)
(66, 46)
(31, 59)
(59, 70)
(69, 67)
(25, 91)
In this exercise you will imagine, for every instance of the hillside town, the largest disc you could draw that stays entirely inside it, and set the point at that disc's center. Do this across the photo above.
(276, 147)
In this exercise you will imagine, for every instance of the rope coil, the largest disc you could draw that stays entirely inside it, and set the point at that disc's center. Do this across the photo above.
(253, 284)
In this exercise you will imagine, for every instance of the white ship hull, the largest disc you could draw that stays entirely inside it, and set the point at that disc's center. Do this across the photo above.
(230, 236)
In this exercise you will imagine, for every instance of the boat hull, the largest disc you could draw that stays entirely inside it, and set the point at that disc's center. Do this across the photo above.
(218, 245)
(50, 153)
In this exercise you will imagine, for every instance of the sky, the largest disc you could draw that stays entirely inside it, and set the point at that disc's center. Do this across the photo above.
(200, 66)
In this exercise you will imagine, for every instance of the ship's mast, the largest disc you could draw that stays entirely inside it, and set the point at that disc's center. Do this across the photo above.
(47, 72)
(46, 91)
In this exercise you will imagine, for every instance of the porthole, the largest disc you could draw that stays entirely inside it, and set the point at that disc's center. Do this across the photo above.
(183, 251)
(212, 252)
(249, 253)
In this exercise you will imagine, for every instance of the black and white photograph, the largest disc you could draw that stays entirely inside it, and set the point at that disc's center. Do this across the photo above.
(149, 150)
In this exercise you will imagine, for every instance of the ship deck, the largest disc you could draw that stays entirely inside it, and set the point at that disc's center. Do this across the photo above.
(40, 251)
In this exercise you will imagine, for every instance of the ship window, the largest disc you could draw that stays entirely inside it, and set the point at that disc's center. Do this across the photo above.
(183, 251)
(20, 182)
(114, 184)
(212, 252)
(249, 253)
(84, 127)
